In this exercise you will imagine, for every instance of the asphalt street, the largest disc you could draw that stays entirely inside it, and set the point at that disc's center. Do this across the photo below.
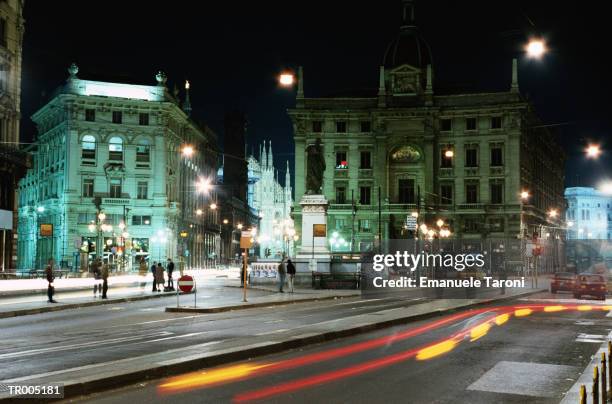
(502, 353)
(64, 340)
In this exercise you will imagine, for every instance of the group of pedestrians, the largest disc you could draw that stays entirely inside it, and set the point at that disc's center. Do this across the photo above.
(286, 274)
(159, 281)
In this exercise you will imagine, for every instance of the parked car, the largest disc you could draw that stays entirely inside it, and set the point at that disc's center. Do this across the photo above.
(590, 285)
(563, 281)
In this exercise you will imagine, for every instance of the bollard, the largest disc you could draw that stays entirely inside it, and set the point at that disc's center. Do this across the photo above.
(595, 392)
(583, 394)
(604, 379)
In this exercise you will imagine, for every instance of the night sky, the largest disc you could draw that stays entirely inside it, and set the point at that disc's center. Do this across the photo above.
(232, 51)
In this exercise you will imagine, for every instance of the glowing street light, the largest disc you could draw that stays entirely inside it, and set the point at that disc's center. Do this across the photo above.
(606, 188)
(424, 228)
(239, 226)
(102, 216)
(524, 195)
(570, 224)
(286, 79)
(213, 206)
(440, 222)
(204, 185)
(187, 151)
(92, 227)
(553, 213)
(40, 209)
(449, 154)
(535, 48)
(225, 221)
(199, 212)
(593, 151)
(414, 214)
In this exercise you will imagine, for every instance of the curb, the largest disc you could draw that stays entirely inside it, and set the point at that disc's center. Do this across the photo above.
(69, 306)
(221, 309)
(33, 292)
(117, 381)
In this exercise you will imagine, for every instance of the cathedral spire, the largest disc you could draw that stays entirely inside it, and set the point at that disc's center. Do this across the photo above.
(514, 87)
(287, 178)
(407, 15)
(270, 157)
(264, 156)
(187, 104)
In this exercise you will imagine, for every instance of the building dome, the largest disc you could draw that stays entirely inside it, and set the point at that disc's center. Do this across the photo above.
(409, 47)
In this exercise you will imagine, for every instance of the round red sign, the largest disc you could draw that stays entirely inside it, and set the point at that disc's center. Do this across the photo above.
(185, 283)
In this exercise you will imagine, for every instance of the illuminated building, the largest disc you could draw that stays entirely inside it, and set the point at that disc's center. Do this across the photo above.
(272, 202)
(13, 161)
(117, 148)
(409, 146)
(589, 214)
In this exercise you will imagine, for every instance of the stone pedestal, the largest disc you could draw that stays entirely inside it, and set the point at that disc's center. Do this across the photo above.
(313, 254)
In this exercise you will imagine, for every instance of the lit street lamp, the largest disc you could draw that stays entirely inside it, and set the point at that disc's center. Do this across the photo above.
(535, 48)
(286, 79)
(593, 151)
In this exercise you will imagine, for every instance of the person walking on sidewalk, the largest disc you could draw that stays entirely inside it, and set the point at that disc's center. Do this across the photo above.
(50, 279)
(170, 269)
(104, 276)
(282, 274)
(142, 272)
(97, 272)
(159, 276)
(153, 270)
(291, 274)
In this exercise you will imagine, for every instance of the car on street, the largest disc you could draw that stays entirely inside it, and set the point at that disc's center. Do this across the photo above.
(563, 281)
(590, 285)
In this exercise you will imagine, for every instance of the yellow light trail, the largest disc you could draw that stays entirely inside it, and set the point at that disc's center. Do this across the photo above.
(522, 312)
(479, 331)
(550, 309)
(502, 318)
(203, 379)
(436, 350)
(584, 307)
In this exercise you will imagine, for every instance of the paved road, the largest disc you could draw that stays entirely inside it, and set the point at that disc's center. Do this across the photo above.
(60, 341)
(528, 357)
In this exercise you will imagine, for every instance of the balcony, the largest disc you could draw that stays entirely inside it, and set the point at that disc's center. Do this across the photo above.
(472, 171)
(365, 173)
(470, 206)
(402, 207)
(341, 173)
(116, 201)
(446, 172)
(496, 171)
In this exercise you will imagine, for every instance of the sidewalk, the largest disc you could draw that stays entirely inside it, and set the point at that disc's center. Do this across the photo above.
(117, 373)
(24, 287)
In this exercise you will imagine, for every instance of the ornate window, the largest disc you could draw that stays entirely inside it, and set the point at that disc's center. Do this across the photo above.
(115, 148)
(143, 151)
(88, 149)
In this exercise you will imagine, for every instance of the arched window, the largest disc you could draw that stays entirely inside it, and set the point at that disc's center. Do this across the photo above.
(143, 151)
(115, 148)
(89, 148)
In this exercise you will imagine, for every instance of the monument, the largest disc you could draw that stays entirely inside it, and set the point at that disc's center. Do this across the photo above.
(314, 254)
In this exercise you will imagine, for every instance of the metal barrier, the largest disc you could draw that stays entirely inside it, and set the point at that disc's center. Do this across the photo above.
(601, 381)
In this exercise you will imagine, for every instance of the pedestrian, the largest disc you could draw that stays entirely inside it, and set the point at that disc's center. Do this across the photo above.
(104, 276)
(170, 269)
(142, 271)
(291, 273)
(97, 272)
(153, 269)
(282, 274)
(159, 276)
(50, 279)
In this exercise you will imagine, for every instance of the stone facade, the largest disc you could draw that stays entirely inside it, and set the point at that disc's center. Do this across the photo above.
(589, 212)
(13, 161)
(408, 147)
(116, 148)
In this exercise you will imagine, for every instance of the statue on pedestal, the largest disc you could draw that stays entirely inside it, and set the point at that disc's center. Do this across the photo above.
(315, 168)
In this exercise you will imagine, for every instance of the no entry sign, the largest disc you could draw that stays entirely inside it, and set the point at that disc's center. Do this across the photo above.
(185, 283)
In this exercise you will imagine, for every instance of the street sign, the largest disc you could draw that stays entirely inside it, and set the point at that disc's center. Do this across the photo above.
(246, 239)
(411, 222)
(185, 283)
(46, 230)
